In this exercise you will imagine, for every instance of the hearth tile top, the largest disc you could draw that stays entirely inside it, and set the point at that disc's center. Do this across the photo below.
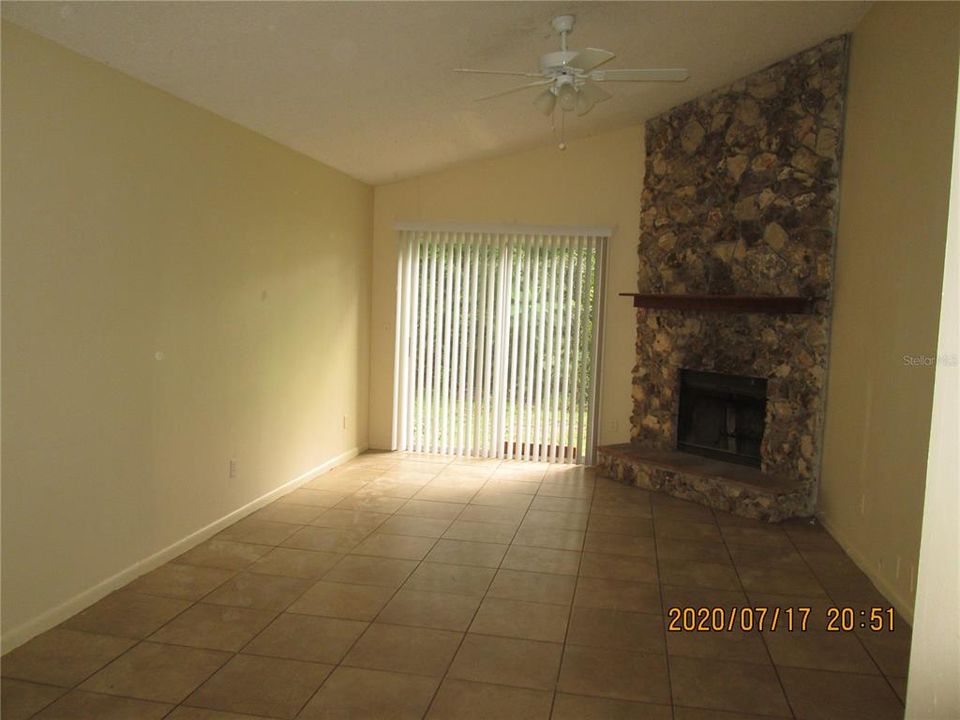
(748, 477)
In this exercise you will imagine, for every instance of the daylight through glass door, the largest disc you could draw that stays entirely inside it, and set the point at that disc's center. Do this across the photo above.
(498, 333)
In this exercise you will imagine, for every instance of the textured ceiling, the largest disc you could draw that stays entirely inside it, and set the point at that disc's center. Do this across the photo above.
(367, 87)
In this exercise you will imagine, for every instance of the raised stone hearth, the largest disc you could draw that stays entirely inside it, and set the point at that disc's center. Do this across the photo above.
(737, 489)
(740, 199)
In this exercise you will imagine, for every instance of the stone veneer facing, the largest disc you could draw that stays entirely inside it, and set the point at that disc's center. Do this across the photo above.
(769, 504)
(740, 197)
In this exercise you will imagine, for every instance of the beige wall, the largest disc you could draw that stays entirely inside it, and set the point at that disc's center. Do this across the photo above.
(177, 292)
(596, 181)
(893, 217)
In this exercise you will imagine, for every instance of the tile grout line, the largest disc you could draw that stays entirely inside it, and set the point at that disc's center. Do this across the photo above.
(371, 622)
(860, 642)
(399, 588)
(273, 620)
(663, 609)
(137, 642)
(766, 647)
(573, 599)
(493, 577)
(236, 653)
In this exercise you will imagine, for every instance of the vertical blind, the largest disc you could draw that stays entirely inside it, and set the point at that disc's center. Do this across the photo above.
(498, 337)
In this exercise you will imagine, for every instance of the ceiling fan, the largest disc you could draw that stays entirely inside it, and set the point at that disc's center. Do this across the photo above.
(569, 77)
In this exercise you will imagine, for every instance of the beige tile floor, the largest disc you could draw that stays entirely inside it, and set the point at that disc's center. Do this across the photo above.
(403, 586)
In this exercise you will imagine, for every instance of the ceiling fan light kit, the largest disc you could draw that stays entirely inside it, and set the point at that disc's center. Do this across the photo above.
(545, 102)
(569, 77)
(566, 94)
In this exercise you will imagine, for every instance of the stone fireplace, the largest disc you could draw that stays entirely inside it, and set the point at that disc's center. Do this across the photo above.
(739, 204)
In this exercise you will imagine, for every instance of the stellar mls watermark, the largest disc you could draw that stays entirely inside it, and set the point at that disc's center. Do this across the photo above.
(950, 360)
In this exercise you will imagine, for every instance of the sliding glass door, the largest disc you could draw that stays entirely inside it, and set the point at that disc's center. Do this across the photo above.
(498, 337)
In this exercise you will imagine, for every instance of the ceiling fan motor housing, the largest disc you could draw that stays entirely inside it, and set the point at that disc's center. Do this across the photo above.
(554, 62)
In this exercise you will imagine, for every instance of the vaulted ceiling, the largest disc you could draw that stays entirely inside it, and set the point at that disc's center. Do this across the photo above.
(367, 87)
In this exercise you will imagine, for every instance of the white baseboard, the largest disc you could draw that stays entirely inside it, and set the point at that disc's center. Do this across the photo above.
(902, 605)
(56, 615)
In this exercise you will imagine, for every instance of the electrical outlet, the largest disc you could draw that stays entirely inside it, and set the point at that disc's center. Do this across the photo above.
(344, 422)
(233, 468)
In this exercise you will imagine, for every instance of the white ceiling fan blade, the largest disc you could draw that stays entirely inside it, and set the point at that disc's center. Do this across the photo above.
(589, 58)
(497, 72)
(594, 92)
(590, 95)
(660, 75)
(538, 83)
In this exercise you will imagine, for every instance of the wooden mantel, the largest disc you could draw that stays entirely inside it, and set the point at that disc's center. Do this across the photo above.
(772, 304)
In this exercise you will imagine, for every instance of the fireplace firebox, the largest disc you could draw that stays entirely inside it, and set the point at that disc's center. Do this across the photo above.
(722, 416)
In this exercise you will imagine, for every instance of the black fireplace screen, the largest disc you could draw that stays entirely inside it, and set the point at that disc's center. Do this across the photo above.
(722, 416)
